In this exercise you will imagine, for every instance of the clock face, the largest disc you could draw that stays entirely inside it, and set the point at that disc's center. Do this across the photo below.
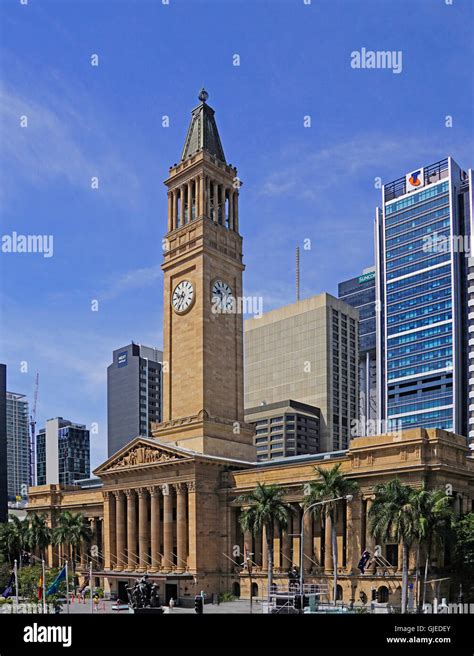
(222, 295)
(183, 297)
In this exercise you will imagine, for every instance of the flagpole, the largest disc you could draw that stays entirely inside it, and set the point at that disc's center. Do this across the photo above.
(67, 588)
(15, 572)
(90, 586)
(44, 587)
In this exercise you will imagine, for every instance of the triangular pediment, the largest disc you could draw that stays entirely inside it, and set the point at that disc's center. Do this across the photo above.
(139, 453)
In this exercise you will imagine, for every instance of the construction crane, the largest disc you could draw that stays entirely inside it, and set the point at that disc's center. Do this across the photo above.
(33, 433)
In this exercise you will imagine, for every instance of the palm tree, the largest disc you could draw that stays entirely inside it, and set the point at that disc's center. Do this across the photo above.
(434, 516)
(332, 484)
(70, 531)
(14, 538)
(9, 541)
(394, 516)
(39, 534)
(265, 510)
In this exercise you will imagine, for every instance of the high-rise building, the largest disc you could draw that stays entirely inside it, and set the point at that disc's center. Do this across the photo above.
(18, 446)
(133, 394)
(307, 351)
(284, 429)
(422, 230)
(360, 293)
(3, 444)
(62, 452)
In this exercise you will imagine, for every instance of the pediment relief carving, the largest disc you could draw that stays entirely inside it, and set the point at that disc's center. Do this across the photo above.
(142, 455)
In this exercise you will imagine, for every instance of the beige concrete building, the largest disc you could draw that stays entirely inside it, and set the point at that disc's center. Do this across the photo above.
(307, 351)
(169, 505)
(288, 428)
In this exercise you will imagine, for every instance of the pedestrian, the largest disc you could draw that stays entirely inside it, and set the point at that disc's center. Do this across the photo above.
(171, 603)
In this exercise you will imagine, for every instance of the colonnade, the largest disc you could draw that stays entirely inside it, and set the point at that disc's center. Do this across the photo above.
(203, 196)
(148, 528)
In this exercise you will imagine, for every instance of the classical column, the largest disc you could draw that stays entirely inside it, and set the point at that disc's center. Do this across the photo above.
(308, 542)
(215, 202)
(83, 554)
(328, 544)
(175, 208)
(277, 548)
(236, 210)
(207, 196)
(200, 197)
(170, 211)
(231, 208)
(190, 200)
(193, 502)
(286, 547)
(223, 192)
(109, 532)
(143, 539)
(369, 539)
(131, 530)
(181, 205)
(353, 535)
(296, 523)
(181, 527)
(120, 529)
(248, 552)
(155, 527)
(94, 536)
(167, 527)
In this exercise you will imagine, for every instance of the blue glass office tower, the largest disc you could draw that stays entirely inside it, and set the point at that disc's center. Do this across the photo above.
(422, 326)
(360, 293)
(62, 452)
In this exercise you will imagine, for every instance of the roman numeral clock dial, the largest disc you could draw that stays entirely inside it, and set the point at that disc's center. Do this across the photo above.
(222, 297)
(183, 297)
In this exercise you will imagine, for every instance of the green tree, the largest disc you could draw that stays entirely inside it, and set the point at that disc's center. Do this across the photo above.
(14, 539)
(265, 509)
(332, 484)
(39, 534)
(394, 517)
(70, 531)
(433, 514)
(463, 552)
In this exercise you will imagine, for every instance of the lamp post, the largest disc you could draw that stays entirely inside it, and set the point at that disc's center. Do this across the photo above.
(347, 497)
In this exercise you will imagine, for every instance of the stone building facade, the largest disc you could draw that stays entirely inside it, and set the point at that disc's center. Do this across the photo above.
(168, 504)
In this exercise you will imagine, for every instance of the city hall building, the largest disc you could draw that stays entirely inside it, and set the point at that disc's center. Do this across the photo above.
(167, 505)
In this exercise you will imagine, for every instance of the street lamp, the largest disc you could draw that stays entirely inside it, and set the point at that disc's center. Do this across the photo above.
(347, 497)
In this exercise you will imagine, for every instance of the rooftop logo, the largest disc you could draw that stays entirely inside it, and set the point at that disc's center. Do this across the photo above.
(415, 180)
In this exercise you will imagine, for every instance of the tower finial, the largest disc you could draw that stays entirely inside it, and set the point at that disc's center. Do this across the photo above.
(203, 95)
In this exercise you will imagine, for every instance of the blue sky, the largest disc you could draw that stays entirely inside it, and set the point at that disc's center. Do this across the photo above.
(300, 183)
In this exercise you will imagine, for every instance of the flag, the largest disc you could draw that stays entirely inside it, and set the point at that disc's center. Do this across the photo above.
(9, 588)
(55, 584)
(40, 588)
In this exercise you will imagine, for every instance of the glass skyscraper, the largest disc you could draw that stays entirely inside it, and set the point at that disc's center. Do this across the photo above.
(133, 394)
(360, 293)
(62, 452)
(18, 446)
(422, 326)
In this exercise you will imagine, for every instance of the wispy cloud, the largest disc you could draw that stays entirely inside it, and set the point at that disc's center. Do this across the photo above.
(132, 280)
(308, 173)
(58, 145)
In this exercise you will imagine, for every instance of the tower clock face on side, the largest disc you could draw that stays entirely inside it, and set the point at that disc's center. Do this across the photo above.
(221, 295)
(183, 297)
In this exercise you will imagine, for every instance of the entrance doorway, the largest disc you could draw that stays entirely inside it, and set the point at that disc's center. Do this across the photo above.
(171, 590)
(122, 591)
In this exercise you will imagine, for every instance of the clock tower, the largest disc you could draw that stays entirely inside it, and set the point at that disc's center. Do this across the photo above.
(203, 406)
